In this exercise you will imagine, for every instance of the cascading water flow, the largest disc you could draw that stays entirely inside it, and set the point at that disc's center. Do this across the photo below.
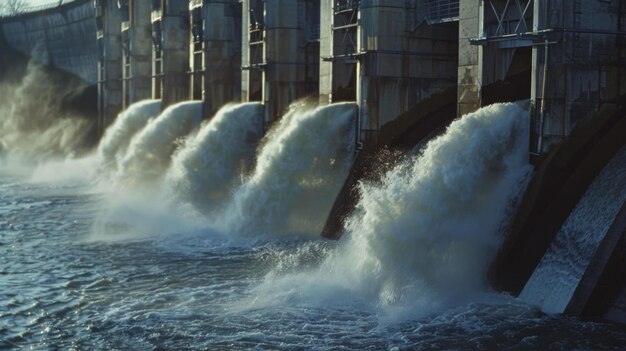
(117, 137)
(209, 165)
(560, 271)
(430, 230)
(299, 171)
(150, 151)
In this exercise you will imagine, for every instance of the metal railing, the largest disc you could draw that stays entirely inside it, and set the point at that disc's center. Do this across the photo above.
(440, 11)
(346, 5)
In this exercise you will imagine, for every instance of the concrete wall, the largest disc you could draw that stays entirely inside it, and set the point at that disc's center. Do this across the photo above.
(62, 37)
(137, 45)
(170, 54)
(583, 71)
(280, 52)
(585, 68)
(108, 23)
(398, 59)
(219, 64)
(470, 72)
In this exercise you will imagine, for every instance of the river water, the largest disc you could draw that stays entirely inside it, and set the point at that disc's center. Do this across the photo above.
(93, 261)
(59, 288)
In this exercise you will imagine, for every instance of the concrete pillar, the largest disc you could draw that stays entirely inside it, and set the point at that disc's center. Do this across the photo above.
(221, 54)
(108, 23)
(170, 54)
(251, 56)
(470, 68)
(281, 52)
(137, 44)
(584, 69)
(384, 55)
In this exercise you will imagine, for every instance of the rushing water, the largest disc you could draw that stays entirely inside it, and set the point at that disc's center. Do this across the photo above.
(184, 282)
(553, 283)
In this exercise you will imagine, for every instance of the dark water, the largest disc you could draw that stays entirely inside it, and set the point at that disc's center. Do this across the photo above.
(61, 289)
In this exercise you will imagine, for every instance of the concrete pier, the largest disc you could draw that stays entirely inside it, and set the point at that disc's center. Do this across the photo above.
(387, 56)
(137, 50)
(108, 22)
(215, 53)
(280, 53)
(170, 57)
(565, 56)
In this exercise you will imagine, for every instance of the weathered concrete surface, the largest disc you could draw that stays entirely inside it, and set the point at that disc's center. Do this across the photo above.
(281, 53)
(108, 22)
(470, 72)
(215, 53)
(582, 42)
(170, 51)
(585, 70)
(556, 187)
(386, 57)
(62, 37)
(137, 45)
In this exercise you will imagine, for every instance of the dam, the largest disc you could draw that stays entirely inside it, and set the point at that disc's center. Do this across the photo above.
(305, 116)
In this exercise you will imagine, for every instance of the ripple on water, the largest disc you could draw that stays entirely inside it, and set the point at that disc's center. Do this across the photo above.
(59, 291)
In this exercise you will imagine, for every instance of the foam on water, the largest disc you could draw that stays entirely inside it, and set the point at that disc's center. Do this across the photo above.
(553, 283)
(115, 141)
(429, 232)
(298, 173)
(205, 170)
(150, 151)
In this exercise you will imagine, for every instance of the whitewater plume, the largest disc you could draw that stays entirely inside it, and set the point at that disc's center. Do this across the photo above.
(130, 121)
(150, 151)
(35, 121)
(433, 226)
(299, 171)
(210, 164)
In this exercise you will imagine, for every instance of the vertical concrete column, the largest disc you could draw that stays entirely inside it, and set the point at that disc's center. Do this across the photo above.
(108, 22)
(470, 67)
(222, 53)
(400, 60)
(175, 56)
(283, 55)
(326, 52)
(576, 66)
(137, 42)
(245, 50)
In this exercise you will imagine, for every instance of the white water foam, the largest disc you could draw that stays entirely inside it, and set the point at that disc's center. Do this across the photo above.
(299, 171)
(150, 151)
(553, 283)
(210, 164)
(115, 141)
(429, 232)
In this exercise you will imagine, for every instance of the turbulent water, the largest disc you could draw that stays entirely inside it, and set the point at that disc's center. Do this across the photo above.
(33, 122)
(299, 171)
(408, 273)
(210, 164)
(553, 283)
(115, 141)
(149, 153)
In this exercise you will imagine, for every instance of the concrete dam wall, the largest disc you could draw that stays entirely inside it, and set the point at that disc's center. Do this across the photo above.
(61, 37)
